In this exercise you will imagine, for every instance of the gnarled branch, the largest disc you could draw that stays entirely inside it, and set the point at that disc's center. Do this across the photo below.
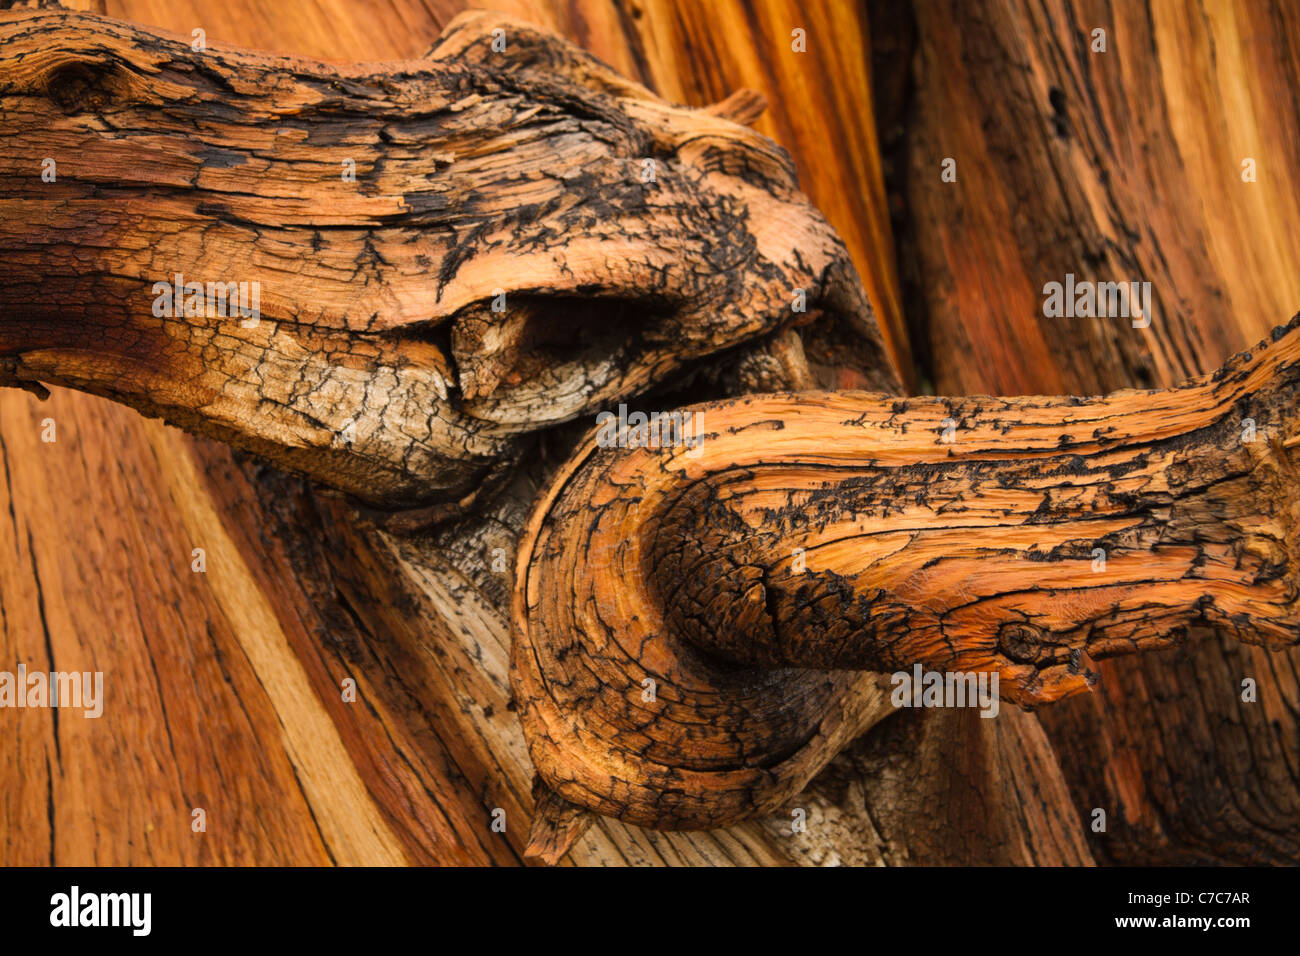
(448, 253)
(757, 577)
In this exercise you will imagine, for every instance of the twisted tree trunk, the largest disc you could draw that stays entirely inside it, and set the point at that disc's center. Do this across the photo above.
(749, 577)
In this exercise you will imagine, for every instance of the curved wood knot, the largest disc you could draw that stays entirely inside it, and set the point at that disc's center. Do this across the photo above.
(698, 629)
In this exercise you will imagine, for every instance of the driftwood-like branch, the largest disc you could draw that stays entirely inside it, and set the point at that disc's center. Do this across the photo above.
(755, 579)
(696, 633)
(635, 242)
(449, 253)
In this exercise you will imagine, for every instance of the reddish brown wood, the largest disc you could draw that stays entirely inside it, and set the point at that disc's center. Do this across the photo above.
(1120, 165)
(443, 256)
(753, 577)
(412, 769)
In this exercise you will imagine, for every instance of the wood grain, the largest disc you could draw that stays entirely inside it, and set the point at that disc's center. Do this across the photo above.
(292, 599)
(417, 288)
(1145, 182)
(760, 577)
(1117, 166)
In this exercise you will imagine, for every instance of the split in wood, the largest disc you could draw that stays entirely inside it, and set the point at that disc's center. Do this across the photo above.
(698, 630)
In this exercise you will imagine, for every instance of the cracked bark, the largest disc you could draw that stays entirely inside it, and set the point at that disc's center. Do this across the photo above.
(1122, 165)
(752, 579)
(421, 622)
(416, 621)
(527, 237)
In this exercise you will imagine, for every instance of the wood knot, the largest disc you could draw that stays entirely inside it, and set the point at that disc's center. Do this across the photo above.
(1020, 642)
(81, 87)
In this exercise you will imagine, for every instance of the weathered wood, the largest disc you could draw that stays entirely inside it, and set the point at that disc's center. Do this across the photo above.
(572, 238)
(1118, 166)
(746, 576)
(419, 619)
(416, 622)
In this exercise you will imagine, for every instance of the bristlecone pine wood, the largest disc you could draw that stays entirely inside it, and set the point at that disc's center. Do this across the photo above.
(752, 577)
(1127, 164)
(303, 594)
(449, 253)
